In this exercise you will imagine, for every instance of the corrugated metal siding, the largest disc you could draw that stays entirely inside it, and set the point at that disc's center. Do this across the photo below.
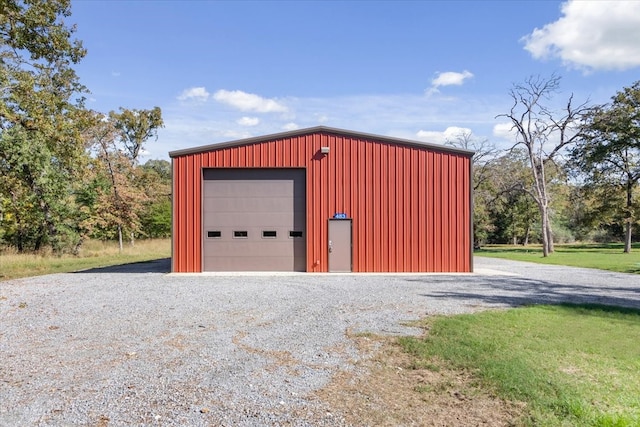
(411, 206)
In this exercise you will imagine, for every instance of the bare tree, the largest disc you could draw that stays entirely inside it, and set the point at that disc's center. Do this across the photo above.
(544, 133)
(484, 154)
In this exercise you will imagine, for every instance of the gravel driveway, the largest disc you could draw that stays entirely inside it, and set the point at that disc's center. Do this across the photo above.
(133, 345)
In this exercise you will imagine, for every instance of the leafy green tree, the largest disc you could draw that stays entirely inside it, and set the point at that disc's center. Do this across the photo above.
(596, 213)
(41, 209)
(511, 210)
(36, 53)
(41, 149)
(610, 150)
(130, 189)
(514, 216)
(155, 217)
(66, 173)
(161, 168)
(135, 127)
(114, 204)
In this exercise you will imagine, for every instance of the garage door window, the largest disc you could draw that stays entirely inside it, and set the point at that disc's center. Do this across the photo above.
(240, 234)
(215, 234)
(269, 234)
(295, 234)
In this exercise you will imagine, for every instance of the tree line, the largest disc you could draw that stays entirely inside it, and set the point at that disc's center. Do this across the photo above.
(571, 174)
(68, 173)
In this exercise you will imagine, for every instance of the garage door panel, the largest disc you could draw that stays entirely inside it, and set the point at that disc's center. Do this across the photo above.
(246, 220)
(254, 201)
(261, 248)
(265, 189)
(250, 189)
(249, 204)
(248, 263)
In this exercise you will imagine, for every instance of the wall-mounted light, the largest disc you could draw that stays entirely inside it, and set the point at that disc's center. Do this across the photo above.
(324, 150)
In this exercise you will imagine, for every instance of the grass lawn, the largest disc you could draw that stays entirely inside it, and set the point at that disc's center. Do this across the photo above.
(93, 254)
(603, 256)
(569, 365)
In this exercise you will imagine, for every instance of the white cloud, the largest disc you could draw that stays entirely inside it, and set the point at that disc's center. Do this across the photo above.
(244, 101)
(401, 115)
(321, 118)
(233, 134)
(116, 74)
(448, 78)
(504, 131)
(194, 93)
(437, 137)
(591, 35)
(248, 121)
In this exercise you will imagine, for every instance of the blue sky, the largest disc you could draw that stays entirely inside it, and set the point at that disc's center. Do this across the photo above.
(421, 70)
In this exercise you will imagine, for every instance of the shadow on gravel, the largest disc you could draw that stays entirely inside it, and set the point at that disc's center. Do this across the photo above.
(162, 265)
(517, 291)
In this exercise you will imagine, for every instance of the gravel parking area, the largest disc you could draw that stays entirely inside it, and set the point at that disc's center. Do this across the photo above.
(133, 345)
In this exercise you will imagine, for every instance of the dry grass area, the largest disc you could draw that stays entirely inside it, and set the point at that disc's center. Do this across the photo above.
(92, 254)
(386, 390)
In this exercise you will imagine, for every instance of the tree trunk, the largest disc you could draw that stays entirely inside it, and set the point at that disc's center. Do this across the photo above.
(132, 239)
(545, 237)
(542, 199)
(20, 239)
(627, 237)
(515, 240)
(526, 236)
(41, 233)
(549, 232)
(629, 219)
(120, 237)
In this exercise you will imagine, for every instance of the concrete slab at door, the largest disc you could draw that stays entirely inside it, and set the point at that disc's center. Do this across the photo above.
(339, 245)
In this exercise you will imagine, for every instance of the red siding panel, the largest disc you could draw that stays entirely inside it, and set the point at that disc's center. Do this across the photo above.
(410, 206)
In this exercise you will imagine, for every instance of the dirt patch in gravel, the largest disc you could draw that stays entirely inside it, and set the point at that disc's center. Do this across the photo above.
(386, 390)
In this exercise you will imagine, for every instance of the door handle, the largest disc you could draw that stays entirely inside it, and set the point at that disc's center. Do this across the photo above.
(330, 246)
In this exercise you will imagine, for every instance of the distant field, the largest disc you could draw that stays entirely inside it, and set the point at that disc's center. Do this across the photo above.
(607, 256)
(92, 255)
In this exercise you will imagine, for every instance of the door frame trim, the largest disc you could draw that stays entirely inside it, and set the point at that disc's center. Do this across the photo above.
(294, 169)
(350, 220)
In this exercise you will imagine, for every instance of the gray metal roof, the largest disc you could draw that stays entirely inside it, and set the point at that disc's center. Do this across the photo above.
(315, 130)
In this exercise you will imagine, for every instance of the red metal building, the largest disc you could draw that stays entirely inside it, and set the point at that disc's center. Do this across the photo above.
(322, 200)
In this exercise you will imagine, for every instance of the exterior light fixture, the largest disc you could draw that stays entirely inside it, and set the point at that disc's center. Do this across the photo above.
(324, 150)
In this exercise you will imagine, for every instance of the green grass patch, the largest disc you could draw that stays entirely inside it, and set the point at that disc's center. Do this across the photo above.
(608, 256)
(573, 365)
(94, 254)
